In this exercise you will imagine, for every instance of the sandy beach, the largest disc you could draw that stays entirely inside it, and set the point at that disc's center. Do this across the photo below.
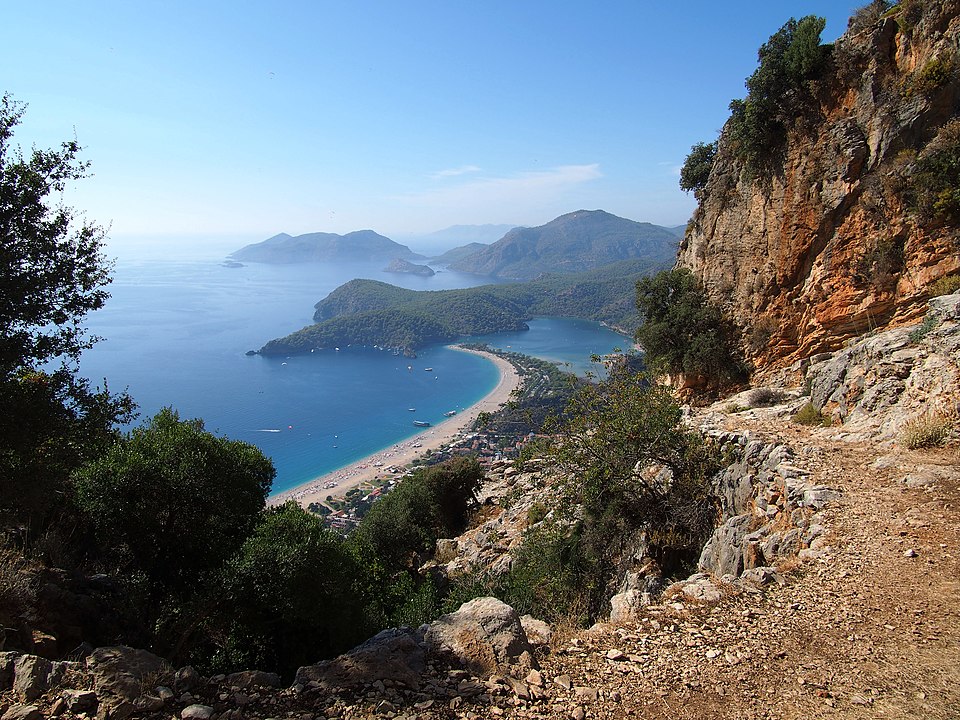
(338, 482)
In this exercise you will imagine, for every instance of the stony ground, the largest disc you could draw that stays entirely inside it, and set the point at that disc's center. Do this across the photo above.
(870, 628)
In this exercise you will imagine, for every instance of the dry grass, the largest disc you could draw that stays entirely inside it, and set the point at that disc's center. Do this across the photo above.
(16, 588)
(928, 431)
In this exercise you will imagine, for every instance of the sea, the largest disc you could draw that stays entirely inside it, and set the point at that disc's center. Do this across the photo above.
(175, 333)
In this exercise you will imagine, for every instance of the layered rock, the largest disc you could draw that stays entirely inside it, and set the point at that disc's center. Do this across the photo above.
(826, 248)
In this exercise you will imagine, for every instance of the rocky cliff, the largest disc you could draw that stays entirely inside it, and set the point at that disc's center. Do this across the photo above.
(832, 243)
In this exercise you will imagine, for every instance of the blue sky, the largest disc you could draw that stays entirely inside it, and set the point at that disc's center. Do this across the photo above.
(243, 119)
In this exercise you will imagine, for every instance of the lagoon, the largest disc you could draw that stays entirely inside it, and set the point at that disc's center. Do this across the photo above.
(176, 332)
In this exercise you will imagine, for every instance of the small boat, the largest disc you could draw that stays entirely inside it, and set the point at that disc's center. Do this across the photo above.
(450, 413)
(421, 423)
(428, 369)
(412, 409)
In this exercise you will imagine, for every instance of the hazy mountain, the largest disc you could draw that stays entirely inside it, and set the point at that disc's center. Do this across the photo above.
(406, 267)
(359, 246)
(572, 243)
(455, 236)
(459, 253)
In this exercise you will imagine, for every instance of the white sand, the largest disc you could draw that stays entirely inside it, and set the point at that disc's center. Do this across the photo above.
(338, 482)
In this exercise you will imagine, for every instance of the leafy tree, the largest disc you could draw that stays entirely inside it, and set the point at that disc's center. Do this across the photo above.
(288, 597)
(173, 501)
(404, 526)
(607, 509)
(54, 274)
(683, 332)
(777, 91)
(696, 168)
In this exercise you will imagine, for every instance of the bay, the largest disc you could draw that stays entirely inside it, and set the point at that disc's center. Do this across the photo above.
(176, 332)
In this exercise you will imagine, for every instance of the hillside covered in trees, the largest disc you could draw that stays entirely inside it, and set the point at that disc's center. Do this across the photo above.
(368, 312)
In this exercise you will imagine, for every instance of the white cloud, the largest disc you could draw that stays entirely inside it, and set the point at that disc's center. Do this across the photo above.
(533, 196)
(455, 172)
(520, 187)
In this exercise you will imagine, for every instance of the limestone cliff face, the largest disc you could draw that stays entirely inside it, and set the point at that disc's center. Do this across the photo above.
(827, 248)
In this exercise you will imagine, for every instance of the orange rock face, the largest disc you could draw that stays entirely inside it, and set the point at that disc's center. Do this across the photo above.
(827, 248)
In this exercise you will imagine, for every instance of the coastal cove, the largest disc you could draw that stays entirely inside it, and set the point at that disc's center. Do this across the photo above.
(176, 334)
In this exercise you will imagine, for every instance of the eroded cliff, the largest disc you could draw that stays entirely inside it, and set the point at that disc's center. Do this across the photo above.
(833, 243)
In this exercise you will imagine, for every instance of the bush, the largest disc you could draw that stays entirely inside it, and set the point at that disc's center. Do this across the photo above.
(288, 598)
(880, 265)
(765, 397)
(809, 415)
(696, 167)
(684, 333)
(926, 432)
(935, 74)
(933, 188)
(571, 563)
(946, 285)
(924, 328)
(777, 91)
(867, 16)
(174, 501)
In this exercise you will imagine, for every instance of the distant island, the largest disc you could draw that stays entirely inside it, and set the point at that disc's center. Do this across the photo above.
(571, 243)
(359, 246)
(397, 265)
(369, 312)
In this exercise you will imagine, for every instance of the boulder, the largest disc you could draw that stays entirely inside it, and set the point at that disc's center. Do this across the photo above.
(485, 636)
(31, 676)
(6, 669)
(252, 678)
(396, 654)
(23, 712)
(538, 632)
(126, 672)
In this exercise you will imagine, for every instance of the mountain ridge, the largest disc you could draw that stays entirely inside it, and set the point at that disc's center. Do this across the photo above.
(359, 245)
(573, 242)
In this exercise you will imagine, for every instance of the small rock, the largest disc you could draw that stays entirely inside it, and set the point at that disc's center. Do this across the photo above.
(910, 553)
(615, 655)
(586, 693)
(578, 713)
(196, 712)
(564, 681)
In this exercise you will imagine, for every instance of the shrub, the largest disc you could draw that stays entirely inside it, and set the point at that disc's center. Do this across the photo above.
(17, 591)
(933, 188)
(946, 285)
(809, 415)
(568, 566)
(288, 598)
(924, 328)
(867, 16)
(935, 74)
(684, 333)
(536, 513)
(765, 397)
(881, 264)
(926, 432)
(696, 167)
(777, 91)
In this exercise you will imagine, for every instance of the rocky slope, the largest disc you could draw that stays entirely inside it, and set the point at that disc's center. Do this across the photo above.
(828, 247)
(828, 590)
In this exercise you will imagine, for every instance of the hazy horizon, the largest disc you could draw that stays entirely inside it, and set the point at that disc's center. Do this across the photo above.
(209, 121)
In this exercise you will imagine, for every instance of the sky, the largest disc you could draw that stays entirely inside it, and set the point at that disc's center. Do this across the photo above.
(238, 120)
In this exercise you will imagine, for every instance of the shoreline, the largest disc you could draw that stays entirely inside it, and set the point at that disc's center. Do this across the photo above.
(339, 481)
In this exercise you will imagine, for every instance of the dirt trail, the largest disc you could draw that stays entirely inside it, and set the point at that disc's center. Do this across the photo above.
(871, 629)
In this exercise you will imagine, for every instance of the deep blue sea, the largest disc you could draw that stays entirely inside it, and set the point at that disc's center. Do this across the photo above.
(176, 332)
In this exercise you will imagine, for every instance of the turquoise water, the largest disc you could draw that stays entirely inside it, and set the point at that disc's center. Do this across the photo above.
(569, 342)
(176, 334)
